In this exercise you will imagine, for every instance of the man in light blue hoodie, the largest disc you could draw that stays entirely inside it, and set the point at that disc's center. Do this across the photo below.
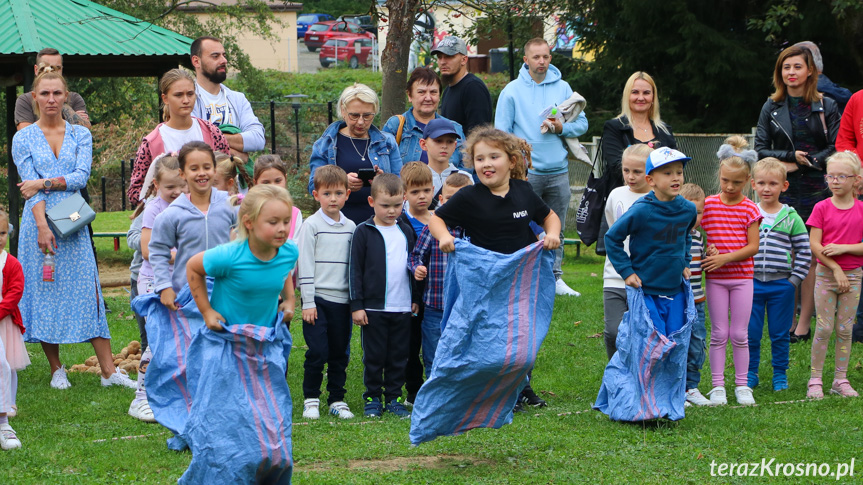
(519, 111)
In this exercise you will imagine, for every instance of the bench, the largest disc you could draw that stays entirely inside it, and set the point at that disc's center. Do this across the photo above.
(576, 243)
(115, 235)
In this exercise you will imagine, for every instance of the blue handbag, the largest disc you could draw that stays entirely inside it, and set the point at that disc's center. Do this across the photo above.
(70, 215)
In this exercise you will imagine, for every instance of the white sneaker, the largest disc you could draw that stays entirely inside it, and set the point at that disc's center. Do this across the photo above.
(13, 412)
(341, 409)
(140, 410)
(694, 396)
(8, 439)
(717, 396)
(59, 379)
(311, 408)
(743, 394)
(119, 378)
(561, 288)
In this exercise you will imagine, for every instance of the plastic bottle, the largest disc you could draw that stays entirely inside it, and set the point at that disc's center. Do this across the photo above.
(48, 266)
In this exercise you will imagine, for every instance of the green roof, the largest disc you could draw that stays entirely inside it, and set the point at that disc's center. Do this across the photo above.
(80, 27)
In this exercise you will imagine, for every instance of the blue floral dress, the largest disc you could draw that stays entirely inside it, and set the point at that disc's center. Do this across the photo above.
(69, 309)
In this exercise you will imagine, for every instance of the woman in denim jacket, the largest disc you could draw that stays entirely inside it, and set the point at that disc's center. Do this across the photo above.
(424, 89)
(356, 145)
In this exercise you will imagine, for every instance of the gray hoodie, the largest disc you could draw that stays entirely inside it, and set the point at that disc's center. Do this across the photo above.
(185, 227)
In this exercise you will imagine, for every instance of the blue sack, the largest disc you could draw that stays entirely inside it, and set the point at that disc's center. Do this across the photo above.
(239, 427)
(497, 310)
(169, 334)
(646, 378)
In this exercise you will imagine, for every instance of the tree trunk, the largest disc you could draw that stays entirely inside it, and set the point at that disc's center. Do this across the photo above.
(394, 58)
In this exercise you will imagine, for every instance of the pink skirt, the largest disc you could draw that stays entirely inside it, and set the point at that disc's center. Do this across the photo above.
(13, 340)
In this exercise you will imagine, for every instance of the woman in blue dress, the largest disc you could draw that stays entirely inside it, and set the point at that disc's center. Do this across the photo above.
(53, 159)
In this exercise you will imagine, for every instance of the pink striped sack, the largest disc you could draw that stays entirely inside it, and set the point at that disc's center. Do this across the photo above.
(497, 310)
(239, 426)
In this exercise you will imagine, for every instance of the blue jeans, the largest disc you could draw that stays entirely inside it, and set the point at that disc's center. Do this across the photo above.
(667, 312)
(777, 298)
(697, 349)
(431, 336)
(554, 190)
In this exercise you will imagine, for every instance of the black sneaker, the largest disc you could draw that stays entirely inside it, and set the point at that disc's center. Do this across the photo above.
(519, 407)
(529, 398)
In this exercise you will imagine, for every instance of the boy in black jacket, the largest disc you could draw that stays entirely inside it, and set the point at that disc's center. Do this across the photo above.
(381, 296)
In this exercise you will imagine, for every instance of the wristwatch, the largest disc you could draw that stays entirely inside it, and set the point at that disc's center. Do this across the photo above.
(47, 184)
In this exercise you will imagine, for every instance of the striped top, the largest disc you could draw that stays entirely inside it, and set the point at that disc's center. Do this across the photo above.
(726, 227)
(697, 251)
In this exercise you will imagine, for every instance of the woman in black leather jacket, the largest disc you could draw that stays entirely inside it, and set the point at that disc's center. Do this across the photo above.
(798, 126)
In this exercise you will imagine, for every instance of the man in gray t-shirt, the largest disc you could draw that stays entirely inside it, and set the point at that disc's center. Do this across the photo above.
(74, 110)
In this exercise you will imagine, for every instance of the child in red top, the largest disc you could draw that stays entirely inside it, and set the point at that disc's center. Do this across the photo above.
(730, 223)
(13, 353)
(835, 240)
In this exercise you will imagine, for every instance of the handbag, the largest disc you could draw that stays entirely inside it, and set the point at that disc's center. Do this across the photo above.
(70, 215)
(588, 218)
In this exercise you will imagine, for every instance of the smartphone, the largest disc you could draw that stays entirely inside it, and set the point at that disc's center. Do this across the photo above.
(366, 175)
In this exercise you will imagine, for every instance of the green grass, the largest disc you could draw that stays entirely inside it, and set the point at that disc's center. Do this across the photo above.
(564, 443)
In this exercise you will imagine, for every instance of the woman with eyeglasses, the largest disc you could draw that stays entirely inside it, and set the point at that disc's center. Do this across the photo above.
(357, 146)
(798, 125)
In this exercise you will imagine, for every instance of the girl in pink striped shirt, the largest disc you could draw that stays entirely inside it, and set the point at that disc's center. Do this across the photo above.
(730, 223)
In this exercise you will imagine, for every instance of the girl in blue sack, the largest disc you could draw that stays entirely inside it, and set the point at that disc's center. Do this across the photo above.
(484, 356)
(239, 427)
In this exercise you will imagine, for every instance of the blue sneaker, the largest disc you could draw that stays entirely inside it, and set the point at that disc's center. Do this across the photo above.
(752, 380)
(780, 382)
(396, 407)
(373, 408)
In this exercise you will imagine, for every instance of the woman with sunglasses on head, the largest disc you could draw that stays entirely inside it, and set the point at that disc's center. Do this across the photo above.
(356, 145)
(798, 125)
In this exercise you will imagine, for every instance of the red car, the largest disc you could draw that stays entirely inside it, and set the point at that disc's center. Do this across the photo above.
(319, 33)
(351, 50)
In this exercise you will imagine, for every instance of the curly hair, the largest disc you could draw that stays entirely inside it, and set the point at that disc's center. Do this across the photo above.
(517, 149)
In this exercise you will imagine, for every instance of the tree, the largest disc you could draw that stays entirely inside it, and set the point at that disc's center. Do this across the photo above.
(394, 58)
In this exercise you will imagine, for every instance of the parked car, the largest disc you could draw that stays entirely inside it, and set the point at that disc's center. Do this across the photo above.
(364, 21)
(307, 19)
(321, 32)
(350, 50)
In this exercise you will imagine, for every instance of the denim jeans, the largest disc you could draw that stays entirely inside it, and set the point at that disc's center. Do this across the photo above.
(554, 190)
(777, 299)
(431, 336)
(697, 349)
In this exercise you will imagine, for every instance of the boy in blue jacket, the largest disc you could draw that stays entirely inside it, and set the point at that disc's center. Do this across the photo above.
(658, 226)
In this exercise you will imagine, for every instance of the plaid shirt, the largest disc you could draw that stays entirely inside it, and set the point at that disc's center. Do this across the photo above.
(427, 253)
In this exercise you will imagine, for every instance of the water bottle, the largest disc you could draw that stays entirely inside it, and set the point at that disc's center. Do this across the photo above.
(48, 267)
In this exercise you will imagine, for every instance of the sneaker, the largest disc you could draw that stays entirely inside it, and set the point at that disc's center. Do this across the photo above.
(373, 408)
(687, 404)
(13, 412)
(529, 398)
(119, 378)
(561, 288)
(694, 396)
(311, 408)
(752, 380)
(410, 400)
(743, 394)
(843, 388)
(341, 409)
(140, 410)
(8, 439)
(815, 390)
(396, 407)
(780, 382)
(717, 396)
(59, 379)
(519, 407)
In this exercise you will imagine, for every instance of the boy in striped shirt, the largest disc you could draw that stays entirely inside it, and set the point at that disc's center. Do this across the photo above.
(782, 262)
(698, 338)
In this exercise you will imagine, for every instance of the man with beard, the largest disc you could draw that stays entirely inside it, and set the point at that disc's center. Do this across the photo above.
(227, 109)
(466, 99)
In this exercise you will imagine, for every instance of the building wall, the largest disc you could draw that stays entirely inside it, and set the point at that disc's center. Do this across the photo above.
(279, 54)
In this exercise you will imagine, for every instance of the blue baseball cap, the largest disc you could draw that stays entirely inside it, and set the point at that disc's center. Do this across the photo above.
(664, 156)
(439, 127)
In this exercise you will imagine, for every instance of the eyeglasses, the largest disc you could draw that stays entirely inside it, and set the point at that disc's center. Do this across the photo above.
(840, 178)
(365, 116)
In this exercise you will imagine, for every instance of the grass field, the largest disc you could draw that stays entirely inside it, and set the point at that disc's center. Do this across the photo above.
(83, 435)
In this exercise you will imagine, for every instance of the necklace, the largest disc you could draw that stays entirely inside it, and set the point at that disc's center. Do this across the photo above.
(361, 154)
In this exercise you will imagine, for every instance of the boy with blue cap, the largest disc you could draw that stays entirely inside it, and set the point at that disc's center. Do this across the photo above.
(658, 226)
(440, 140)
